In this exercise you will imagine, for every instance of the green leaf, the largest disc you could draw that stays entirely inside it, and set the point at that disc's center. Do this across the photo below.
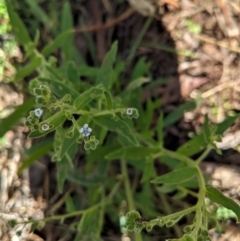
(62, 167)
(55, 121)
(67, 24)
(180, 194)
(166, 48)
(105, 74)
(43, 148)
(18, 26)
(65, 163)
(167, 188)
(178, 113)
(87, 96)
(160, 132)
(198, 143)
(137, 83)
(79, 177)
(50, 72)
(108, 98)
(138, 40)
(27, 70)
(69, 203)
(88, 224)
(73, 75)
(216, 196)
(176, 176)
(9, 122)
(66, 142)
(60, 87)
(148, 115)
(88, 71)
(206, 130)
(141, 68)
(149, 170)
(39, 13)
(58, 42)
(133, 153)
(118, 126)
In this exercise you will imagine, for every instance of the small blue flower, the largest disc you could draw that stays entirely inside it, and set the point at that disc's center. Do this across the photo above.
(38, 112)
(85, 130)
(45, 127)
(129, 111)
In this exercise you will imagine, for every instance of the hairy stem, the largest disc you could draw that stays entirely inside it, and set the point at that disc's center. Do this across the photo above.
(137, 236)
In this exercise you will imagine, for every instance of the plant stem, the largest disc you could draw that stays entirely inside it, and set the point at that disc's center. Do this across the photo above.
(203, 155)
(68, 215)
(200, 206)
(128, 190)
(168, 209)
(184, 212)
(106, 201)
(201, 201)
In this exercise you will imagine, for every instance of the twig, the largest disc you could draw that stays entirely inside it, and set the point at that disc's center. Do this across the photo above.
(218, 88)
(214, 41)
(109, 24)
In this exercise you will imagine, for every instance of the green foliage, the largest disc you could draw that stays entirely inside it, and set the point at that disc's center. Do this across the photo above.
(216, 196)
(176, 176)
(13, 119)
(105, 122)
(18, 26)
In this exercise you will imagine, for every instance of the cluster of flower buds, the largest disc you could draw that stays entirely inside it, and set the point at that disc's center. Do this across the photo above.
(43, 95)
(43, 98)
(90, 142)
(33, 118)
(130, 113)
(47, 101)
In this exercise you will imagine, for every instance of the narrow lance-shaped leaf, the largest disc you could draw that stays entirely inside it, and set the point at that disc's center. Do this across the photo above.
(18, 26)
(63, 165)
(105, 74)
(176, 176)
(66, 142)
(60, 88)
(178, 113)
(206, 130)
(43, 148)
(140, 69)
(133, 152)
(118, 126)
(198, 143)
(67, 24)
(87, 96)
(69, 203)
(137, 83)
(58, 42)
(39, 14)
(108, 98)
(88, 71)
(73, 75)
(9, 122)
(216, 196)
(27, 70)
(160, 129)
(53, 123)
(149, 170)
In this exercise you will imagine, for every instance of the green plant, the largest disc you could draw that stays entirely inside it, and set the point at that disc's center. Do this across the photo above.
(103, 119)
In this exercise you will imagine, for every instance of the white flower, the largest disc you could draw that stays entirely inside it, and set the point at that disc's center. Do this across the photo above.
(45, 127)
(38, 112)
(85, 130)
(129, 111)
